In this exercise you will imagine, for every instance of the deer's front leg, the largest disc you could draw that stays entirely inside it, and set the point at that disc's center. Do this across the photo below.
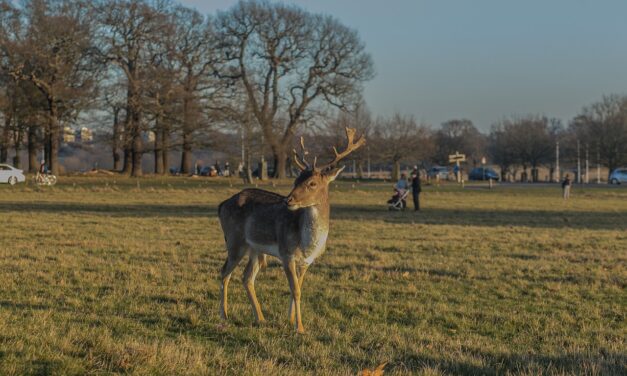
(301, 270)
(292, 278)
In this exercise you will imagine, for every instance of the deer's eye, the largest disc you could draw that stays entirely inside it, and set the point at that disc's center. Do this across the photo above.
(312, 184)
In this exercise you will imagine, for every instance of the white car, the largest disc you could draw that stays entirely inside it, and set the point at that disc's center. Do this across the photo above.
(11, 175)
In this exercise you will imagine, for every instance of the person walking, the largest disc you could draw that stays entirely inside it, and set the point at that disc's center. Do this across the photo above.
(415, 188)
(41, 171)
(566, 187)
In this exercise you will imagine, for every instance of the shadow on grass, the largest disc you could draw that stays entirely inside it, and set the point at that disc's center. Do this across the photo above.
(460, 217)
(133, 210)
(490, 218)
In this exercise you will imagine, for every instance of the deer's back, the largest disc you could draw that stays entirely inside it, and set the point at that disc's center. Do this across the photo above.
(253, 214)
(261, 220)
(247, 200)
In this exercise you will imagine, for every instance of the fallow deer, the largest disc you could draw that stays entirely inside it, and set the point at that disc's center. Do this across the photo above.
(293, 228)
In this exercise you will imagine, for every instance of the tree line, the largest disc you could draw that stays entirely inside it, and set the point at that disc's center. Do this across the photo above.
(255, 76)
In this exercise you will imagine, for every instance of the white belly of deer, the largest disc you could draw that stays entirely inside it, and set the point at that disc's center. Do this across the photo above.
(313, 236)
(269, 249)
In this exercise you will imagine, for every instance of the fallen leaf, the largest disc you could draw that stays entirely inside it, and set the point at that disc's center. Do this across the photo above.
(375, 372)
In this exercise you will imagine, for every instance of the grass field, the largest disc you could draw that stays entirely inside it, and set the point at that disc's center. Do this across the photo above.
(112, 275)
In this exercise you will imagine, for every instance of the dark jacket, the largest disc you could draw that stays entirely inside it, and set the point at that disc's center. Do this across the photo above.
(565, 182)
(415, 184)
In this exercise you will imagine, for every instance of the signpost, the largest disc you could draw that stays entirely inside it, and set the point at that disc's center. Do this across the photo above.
(456, 158)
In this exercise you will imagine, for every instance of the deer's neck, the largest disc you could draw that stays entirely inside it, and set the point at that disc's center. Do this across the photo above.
(314, 231)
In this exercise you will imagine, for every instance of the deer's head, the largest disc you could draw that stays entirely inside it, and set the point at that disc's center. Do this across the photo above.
(311, 187)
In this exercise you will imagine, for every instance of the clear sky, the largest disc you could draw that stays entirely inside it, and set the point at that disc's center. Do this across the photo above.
(483, 59)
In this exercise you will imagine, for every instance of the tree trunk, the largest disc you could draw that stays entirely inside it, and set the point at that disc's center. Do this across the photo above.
(17, 161)
(54, 140)
(396, 170)
(115, 142)
(47, 144)
(127, 141)
(32, 149)
(117, 161)
(186, 154)
(165, 146)
(158, 151)
(138, 152)
(360, 169)
(4, 141)
(534, 174)
(128, 158)
(280, 163)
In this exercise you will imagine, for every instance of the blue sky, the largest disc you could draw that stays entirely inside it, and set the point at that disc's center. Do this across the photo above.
(483, 59)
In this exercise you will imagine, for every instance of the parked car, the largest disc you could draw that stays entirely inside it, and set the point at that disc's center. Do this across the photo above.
(483, 173)
(618, 176)
(436, 171)
(11, 175)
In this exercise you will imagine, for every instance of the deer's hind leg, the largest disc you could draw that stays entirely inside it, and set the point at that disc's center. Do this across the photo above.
(249, 284)
(235, 254)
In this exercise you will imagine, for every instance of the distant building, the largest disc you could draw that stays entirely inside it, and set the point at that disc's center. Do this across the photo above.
(84, 135)
(68, 135)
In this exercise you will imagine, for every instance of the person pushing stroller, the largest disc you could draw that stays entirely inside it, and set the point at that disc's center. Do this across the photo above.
(401, 189)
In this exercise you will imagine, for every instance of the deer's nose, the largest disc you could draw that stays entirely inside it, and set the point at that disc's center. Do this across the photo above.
(289, 200)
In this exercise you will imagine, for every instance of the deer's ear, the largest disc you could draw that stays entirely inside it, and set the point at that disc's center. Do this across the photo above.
(333, 173)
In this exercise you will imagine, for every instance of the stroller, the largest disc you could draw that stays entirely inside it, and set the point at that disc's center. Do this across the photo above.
(399, 200)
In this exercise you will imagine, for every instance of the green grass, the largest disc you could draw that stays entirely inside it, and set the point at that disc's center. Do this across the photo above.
(112, 275)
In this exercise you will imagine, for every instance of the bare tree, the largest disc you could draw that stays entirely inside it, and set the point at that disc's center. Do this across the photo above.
(527, 141)
(195, 51)
(400, 138)
(113, 102)
(604, 124)
(501, 148)
(55, 56)
(289, 60)
(127, 27)
(459, 135)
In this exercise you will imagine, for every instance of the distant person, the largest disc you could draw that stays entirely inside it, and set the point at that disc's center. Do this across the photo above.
(402, 184)
(457, 173)
(227, 169)
(416, 188)
(566, 187)
(41, 171)
(218, 169)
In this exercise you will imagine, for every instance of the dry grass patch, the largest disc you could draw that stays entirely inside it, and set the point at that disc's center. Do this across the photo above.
(111, 275)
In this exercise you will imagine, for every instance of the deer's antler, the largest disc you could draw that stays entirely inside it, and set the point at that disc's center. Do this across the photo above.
(350, 147)
(300, 160)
